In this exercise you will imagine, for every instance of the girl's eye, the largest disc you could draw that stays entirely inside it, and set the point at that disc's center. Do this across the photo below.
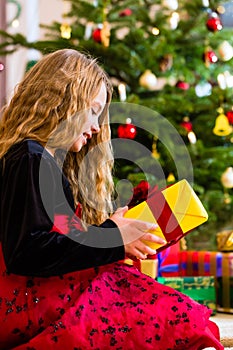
(93, 112)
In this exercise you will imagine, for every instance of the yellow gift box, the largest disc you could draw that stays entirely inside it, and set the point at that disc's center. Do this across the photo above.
(176, 209)
(149, 266)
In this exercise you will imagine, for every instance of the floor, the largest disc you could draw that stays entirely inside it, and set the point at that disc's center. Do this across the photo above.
(225, 323)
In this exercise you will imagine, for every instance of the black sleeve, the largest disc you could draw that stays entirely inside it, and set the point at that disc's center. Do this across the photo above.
(29, 245)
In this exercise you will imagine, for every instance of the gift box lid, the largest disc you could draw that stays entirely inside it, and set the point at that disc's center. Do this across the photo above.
(176, 209)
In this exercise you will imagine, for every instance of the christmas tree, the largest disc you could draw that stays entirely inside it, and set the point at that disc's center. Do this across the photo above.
(170, 63)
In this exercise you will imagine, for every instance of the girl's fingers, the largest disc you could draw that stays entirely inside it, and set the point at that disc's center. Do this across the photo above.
(138, 254)
(153, 238)
(143, 249)
(146, 250)
(146, 226)
(141, 255)
(122, 210)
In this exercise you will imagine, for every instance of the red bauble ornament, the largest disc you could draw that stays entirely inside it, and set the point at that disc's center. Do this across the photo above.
(182, 85)
(211, 57)
(2, 67)
(214, 23)
(96, 35)
(186, 124)
(126, 12)
(229, 115)
(127, 131)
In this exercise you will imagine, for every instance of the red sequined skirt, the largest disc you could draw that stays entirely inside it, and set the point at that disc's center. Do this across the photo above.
(110, 307)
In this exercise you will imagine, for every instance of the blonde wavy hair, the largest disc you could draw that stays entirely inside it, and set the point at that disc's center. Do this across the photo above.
(48, 106)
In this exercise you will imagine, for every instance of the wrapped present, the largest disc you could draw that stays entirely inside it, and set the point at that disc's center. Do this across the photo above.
(224, 288)
(205, 263)
(168, 261)
(149, 266)
(201, 289)
(176, 209)
(225, 241)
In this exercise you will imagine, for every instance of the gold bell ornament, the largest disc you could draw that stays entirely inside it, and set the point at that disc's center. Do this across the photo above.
(222, 126)
(171, 178)
(155, 154)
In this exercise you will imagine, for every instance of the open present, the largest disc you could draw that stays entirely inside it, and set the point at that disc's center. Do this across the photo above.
(176, 209)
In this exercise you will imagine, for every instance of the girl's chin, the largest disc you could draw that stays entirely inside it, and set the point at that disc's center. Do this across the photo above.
(77, 146)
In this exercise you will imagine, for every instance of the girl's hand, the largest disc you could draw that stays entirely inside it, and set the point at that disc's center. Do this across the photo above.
(134, 232)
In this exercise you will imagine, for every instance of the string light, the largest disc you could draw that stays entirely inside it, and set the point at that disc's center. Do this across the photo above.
(155, 31)
(122, 91)
(225, 80)
(88, 30)
(174, 20)
(14, 22)
(192, 137)
(205, 3)
(221, 9)
(65, 28)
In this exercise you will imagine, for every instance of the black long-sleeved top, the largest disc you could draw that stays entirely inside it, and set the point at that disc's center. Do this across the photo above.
(33, 190)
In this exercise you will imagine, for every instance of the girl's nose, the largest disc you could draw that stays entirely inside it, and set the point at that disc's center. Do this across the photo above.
(95, 128)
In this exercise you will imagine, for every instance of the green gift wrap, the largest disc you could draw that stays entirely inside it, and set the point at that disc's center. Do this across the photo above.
(224, 287)
(201, 288)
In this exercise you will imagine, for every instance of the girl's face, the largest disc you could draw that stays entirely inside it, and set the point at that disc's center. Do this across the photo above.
(91, 123)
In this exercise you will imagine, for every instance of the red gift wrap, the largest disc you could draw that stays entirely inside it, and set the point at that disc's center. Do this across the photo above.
(205, 263)
(168, 261)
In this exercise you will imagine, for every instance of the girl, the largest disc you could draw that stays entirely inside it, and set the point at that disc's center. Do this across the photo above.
(63, 282)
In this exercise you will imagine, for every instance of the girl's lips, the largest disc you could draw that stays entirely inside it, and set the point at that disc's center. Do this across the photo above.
(84, 139)
(88, 135)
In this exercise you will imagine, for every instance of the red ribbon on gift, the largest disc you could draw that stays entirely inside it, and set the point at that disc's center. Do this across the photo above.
(165, 218)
